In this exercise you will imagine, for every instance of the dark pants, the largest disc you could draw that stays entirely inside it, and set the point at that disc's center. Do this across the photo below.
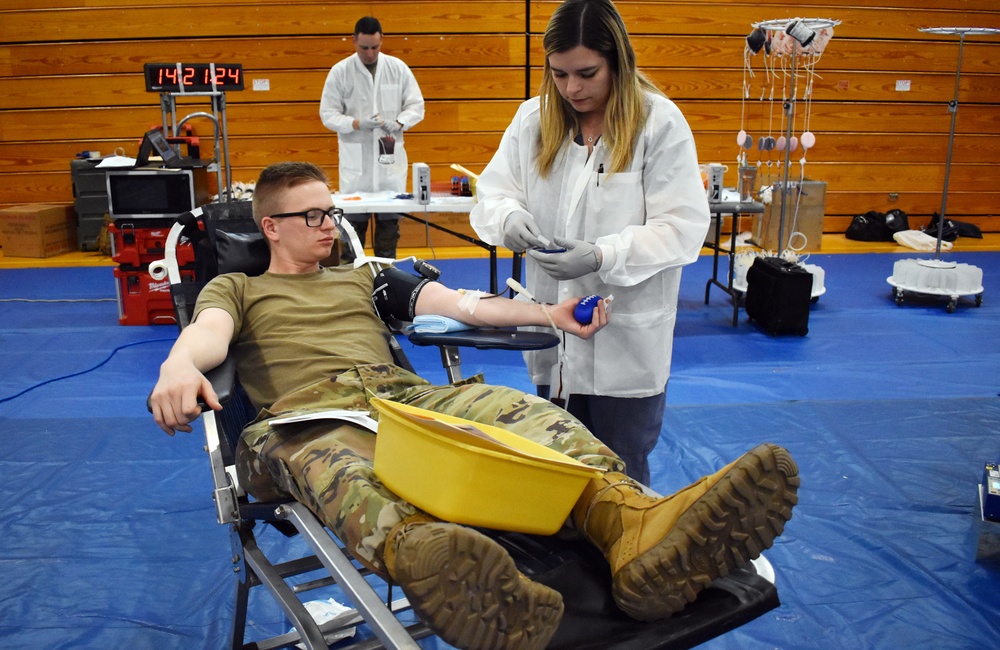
(384, 239)
(630, 426)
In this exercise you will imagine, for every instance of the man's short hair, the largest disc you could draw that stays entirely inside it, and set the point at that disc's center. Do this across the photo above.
(367, 25)
(275, 179)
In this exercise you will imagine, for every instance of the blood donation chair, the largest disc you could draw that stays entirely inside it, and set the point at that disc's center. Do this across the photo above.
(226, 239)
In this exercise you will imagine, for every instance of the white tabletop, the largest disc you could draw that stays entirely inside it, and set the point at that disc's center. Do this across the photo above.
(387, 202)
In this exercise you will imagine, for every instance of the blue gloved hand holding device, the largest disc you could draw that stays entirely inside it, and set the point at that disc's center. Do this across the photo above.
(577, 258)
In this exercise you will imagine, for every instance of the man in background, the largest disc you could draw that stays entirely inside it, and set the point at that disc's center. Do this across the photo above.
(369, 100)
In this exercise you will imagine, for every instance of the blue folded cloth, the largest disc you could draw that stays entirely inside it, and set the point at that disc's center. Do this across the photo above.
(436, 325)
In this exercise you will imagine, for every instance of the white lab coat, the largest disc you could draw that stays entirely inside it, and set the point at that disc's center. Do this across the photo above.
(349, 93)
(649, 221)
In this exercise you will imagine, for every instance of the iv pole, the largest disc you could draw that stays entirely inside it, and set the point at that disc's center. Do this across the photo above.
(936, 276)
(961, 32)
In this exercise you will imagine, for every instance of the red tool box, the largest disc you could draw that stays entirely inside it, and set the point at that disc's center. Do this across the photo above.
(136, 245)
(143, 300)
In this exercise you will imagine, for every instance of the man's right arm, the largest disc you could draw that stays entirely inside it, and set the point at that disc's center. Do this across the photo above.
(331, 105)
(201, 346)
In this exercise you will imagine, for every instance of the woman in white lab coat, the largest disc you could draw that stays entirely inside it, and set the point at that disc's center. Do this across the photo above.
(601, 164)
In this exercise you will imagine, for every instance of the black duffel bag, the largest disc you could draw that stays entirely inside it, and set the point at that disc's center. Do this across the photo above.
(877, 226)
(952, 229)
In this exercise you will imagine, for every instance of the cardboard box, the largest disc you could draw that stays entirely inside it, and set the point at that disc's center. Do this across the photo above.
(809, 222)
(37, 230)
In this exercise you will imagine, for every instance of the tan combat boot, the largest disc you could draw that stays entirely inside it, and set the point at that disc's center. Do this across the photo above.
(664, 551)
(467, 588)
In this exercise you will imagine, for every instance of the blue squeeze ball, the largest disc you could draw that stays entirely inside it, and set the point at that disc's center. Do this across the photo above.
(584, 310)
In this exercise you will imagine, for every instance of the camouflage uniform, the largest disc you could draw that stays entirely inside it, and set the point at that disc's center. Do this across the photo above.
(328, 466)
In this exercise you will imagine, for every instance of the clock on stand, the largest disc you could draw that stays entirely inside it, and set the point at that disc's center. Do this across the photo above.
(210, 80)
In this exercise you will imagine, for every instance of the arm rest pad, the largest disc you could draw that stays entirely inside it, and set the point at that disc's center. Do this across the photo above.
(488, 339)
(223, 379)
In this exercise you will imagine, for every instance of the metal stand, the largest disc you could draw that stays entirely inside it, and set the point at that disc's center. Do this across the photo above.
(718, 211)
(789, 108)
(937, 277)
(961, 32)
(168, 112)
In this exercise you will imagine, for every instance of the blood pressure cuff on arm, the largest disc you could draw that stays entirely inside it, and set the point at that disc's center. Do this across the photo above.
(394, 295)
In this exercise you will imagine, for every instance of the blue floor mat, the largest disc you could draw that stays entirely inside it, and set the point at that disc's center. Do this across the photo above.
(109, 536)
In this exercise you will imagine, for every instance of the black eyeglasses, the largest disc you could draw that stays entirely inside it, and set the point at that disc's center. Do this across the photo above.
(314, 217)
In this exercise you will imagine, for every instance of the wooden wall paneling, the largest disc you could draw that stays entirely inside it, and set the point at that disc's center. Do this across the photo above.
(440, 149)
(288, 118)
(256, 54)
(724, 54)
(967, 206)
(283, 86)
(849, 116)
(830, 85)
(899, 20)
(95, 124)
(839, 147)
(197, 20)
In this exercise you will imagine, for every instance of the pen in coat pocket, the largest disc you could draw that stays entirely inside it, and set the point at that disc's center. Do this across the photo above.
(600, 170)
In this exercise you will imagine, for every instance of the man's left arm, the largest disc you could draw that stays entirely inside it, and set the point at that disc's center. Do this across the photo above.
(411, 110)
(498, 311)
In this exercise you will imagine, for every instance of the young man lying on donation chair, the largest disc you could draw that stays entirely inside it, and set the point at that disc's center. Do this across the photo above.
(308, 337)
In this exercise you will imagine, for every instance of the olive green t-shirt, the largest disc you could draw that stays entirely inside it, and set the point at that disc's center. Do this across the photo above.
(295, 330)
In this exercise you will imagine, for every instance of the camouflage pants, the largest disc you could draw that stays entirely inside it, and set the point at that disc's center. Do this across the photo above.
(328, 465)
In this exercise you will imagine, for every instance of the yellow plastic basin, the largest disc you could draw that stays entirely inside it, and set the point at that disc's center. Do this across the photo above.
(475, 474)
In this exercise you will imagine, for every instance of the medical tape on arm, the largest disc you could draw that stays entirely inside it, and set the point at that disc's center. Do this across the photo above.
(469, 300)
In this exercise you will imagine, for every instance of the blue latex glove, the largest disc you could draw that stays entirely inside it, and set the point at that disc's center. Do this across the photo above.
(521, 232)
(579, 259)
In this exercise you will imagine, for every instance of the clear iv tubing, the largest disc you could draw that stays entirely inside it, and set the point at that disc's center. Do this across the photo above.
(519, 288)
(516, 286)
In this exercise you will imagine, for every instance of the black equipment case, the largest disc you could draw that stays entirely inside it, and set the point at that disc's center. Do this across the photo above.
(778, 296)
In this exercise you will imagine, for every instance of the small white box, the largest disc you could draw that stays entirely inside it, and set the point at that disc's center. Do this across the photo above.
(422, 183)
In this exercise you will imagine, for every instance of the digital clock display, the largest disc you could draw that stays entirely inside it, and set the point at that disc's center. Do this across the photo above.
(193, 77)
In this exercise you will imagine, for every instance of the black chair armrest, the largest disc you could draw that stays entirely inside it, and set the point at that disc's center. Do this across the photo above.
(223, 380)
(488, 339)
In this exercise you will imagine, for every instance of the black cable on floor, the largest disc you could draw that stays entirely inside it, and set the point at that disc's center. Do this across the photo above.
(82, 372)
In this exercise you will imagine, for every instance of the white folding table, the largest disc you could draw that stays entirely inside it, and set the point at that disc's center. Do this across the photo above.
(406, 206)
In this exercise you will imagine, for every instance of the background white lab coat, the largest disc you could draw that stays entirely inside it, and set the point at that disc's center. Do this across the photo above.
(649, 220)
(349, 93)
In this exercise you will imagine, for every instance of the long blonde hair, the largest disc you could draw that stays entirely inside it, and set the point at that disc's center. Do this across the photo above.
(596, 25)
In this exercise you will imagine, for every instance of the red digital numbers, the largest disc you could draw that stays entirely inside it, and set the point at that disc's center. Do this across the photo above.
(224, 75)
(167, 76)
(193, 77)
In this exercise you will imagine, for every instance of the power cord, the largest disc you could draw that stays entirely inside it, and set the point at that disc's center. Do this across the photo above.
(82, 372)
